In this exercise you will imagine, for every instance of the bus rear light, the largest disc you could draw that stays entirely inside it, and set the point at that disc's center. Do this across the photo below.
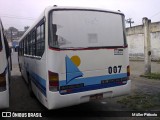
(128, 70)
(53, 81)
(2, 81)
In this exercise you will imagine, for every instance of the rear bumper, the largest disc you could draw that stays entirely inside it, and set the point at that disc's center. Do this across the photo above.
(4, 99)
(55, 100)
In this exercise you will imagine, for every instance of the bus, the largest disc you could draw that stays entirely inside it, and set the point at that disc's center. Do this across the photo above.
(72, 55)
(5, 68)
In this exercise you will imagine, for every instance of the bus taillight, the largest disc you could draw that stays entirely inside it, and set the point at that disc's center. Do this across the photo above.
(53, 81)
(128, 70)
(2, 81)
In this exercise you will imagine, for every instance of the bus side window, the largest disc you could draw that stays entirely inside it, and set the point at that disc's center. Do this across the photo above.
(23, 47)
(19, 49)
(27, 48)
(0, 41)
(40, 41)
(33, 41)
(29, 44)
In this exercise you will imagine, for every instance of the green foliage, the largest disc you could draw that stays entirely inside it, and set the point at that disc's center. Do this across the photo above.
(155, 76)
(141, 101)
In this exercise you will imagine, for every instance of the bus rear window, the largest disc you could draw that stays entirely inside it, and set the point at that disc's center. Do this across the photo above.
(84, 28)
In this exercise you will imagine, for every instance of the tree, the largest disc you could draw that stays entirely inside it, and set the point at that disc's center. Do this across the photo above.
(13, 29)
(26, 28)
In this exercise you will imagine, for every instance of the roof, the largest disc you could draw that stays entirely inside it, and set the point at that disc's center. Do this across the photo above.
(81, 8)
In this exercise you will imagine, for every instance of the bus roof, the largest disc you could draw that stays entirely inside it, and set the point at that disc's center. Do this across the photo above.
(55, 7)
(81, 8)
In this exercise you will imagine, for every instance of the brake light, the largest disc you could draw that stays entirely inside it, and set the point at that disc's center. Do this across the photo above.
(53, 81)
(2, 81)
(128, 70)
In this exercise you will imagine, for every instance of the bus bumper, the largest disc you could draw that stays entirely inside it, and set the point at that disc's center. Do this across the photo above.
(4, 99)
(55, 100)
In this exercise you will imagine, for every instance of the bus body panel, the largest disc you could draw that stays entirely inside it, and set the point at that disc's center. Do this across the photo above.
(60, 101)
(2, 61)
(4, 95)
(35, 70)
(30, 71)
(4, 71)
(94, 68)
(77, 65)
(90, 60)
(4, 99)
(39, 75)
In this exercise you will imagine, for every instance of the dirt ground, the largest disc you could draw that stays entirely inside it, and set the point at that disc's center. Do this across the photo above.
(144, 96)
(145, 93)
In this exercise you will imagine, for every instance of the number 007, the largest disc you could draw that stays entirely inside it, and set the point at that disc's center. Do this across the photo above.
(115, 69)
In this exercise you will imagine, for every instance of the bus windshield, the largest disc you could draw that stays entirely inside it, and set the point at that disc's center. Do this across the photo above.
(84, 29)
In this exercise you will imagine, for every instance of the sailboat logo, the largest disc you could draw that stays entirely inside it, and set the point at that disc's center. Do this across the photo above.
(72, 70)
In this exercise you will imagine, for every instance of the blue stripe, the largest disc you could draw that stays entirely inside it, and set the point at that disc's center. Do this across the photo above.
(92, 83)
(91, 87)
(39, 82)
(93, 80)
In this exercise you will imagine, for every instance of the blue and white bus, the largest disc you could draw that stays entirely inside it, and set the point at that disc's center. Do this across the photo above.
(72, 55)
(5, 67)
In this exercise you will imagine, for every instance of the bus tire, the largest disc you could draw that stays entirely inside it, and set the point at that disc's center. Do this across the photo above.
(30, 87)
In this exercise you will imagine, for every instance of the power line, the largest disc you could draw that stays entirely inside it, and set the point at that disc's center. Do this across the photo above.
(155, 14)
(16, 17)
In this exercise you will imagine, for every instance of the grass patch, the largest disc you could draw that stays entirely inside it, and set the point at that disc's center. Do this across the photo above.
(141, 101)
(152, 76)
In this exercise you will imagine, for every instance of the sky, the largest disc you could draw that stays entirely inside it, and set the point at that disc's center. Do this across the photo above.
(20, 13)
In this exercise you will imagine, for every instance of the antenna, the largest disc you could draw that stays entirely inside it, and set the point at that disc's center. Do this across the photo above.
(130, 21)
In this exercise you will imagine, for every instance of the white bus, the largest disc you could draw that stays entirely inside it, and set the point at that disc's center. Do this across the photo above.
(73, 55)
(4, 69)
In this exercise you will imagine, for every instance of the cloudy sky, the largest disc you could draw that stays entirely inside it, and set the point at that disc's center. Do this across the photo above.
(20, 13)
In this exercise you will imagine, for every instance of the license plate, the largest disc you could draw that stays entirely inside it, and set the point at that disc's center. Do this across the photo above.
(96, 97)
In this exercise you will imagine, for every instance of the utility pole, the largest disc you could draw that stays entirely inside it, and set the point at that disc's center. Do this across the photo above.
(147, 45)
(130, 21)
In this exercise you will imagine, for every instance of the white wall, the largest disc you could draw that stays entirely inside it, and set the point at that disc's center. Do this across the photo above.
(135, 38)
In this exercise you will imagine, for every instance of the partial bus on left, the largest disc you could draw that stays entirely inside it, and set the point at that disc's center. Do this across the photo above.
(5, 68)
